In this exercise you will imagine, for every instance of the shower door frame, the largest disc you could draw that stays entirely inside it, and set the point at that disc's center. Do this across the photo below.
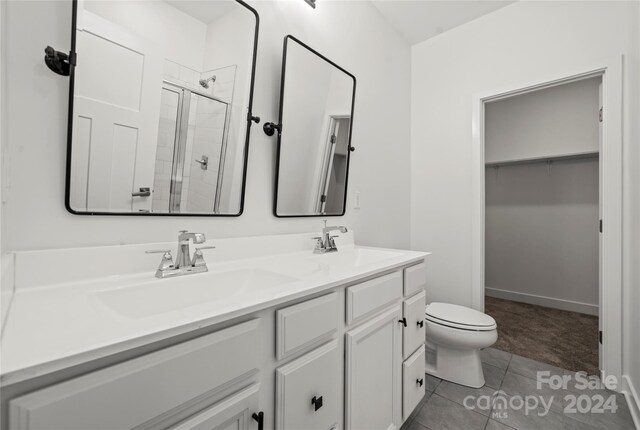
(180, 144)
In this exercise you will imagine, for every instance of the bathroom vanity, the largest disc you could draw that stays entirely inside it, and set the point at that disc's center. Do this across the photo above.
(273, 336)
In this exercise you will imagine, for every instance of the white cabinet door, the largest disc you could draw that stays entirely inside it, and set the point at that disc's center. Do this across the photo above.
(233, 413)
(308, 391)
(373, 386)
(140, 391)
(412, 382)
(414, 332)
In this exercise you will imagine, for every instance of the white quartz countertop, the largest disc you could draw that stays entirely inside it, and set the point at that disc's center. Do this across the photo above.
(53, 327)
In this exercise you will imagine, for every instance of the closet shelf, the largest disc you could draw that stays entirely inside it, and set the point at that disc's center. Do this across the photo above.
(575, 156)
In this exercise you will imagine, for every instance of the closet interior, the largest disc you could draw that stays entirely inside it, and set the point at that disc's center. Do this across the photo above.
(542, 215)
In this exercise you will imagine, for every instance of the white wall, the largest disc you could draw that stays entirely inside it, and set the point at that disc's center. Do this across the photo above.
(560, 120)
(541, 236)
(353, 34)
(513, 45)
(181, 36)
(631, 275)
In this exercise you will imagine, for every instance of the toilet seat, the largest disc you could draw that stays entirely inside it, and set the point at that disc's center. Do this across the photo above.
(458, 317)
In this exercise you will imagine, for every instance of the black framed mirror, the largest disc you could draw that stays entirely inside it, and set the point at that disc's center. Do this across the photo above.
(160, 107)
(314, 134)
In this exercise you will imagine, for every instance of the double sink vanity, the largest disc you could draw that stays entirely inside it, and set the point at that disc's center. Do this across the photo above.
(273, 335)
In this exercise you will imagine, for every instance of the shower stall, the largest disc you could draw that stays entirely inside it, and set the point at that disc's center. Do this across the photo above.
(191, 152)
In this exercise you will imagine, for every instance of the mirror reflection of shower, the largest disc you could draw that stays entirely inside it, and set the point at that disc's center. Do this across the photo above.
(204, 83)
(192, 150)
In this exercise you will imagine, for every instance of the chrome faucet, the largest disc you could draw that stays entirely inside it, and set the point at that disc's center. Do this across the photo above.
(183, 258)
(184, 264)
(326, 242)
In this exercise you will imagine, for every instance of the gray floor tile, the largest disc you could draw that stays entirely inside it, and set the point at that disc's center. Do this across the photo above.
(515, 415)
(406, 425)
(420, 405)
(527, 367)
(458, 394)
(416, 426)
(440, 414)
(495, 425)
(572, 424)
(620, 419)
(431, 382)
(518, 385)
(492, 375)
(495, 357)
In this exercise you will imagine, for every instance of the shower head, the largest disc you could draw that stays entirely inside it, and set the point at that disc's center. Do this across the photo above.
(205, 82)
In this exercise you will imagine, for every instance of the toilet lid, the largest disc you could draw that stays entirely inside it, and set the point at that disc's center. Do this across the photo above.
(459, 316)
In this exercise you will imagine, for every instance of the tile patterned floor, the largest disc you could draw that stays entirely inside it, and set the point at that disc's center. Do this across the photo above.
(514, 379)
(565, 339)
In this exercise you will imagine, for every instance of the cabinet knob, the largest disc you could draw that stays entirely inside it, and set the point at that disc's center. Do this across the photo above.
(259, 417)
(420, 381)
(403, 321)
(317, 402)
(420, 323)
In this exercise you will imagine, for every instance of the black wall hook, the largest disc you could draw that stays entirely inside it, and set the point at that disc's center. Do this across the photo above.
(270, 128)
(59, 62)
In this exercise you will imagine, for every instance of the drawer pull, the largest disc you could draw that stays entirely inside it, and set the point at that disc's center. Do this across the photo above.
(403, 321)
(420, 381)
(420, 323)
(317, 402)
(259, 417)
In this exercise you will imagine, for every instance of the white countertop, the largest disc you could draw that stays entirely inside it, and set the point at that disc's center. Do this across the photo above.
(52, 327)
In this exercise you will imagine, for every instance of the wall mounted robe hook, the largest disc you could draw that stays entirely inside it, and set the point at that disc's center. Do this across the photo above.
(59, 62)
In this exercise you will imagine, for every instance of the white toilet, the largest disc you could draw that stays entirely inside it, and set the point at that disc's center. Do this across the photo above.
(455, 336)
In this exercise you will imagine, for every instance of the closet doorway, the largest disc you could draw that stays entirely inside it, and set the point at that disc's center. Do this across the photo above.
(548, 180)
(541, 223)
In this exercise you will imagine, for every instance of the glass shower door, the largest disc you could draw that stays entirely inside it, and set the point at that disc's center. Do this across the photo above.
(191, 152)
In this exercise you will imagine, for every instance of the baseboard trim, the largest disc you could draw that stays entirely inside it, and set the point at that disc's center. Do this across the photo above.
(550, 302)
(633, 400)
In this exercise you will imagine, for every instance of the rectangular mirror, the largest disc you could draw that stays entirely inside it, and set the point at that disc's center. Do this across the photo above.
(314, 143)
(160, 107)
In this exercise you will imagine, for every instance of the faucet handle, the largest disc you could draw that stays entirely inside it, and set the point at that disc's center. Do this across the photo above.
(205, 247)
(198, 258)
(166, 262)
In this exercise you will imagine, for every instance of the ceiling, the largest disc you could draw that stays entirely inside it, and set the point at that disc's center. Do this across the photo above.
(204, 11)
(418, 20)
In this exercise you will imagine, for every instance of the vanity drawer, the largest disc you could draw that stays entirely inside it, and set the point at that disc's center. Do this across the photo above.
(129, 394)
(304, 324)
(369, 296)
(413, 335)
(413, 383)
(415, 279)
(308, 390)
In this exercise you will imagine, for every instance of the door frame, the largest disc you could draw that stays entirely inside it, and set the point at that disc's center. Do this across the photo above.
(611, 199)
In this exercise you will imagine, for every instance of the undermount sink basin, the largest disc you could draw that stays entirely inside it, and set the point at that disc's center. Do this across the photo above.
(355, 256)
(168, 295)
